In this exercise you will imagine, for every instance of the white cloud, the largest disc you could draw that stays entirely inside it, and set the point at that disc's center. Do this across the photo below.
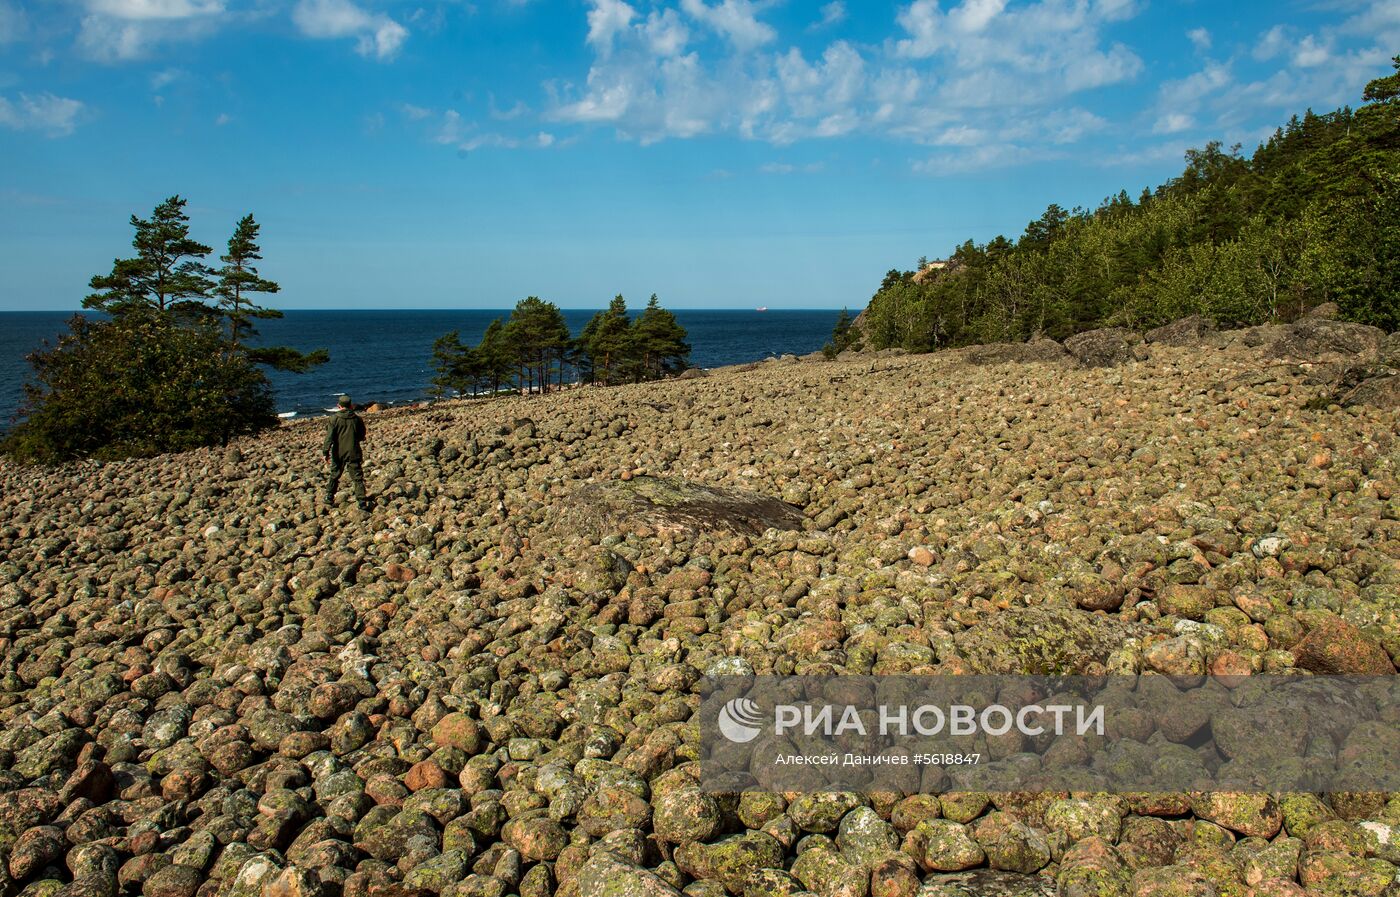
(973, 16)
(164, 78)
(736, 20)
(376, 34)
(1070, 126)
(987, 81)
(222, 119)
(1270, 43)
(1315, 70)
(453, 130)
(960, 135)
(109, 39)
(1172, 123)
(1379, 21)
(1188, 91)
(541, 140)
(1149, 155)
(1001, 63)
(833, 13)
(824, 89)
(121, 30)
(665, 33)
(517, 110)
(1310, 52)
(155, 10)
(51, 115)
(923, 22)
(1023, 55)
(607, 98)
(606, 19)
(982, 158)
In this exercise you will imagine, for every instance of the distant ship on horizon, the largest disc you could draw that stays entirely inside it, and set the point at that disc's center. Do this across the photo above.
(761, 308)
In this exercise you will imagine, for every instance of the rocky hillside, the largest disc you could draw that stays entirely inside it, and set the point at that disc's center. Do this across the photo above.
(212, 686)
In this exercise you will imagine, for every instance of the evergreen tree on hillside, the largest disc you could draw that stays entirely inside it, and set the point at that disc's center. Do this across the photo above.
(166, 274)
(1312, 216)
(843, 335)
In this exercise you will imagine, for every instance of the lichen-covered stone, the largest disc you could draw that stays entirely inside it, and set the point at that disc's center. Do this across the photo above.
(1011, 844)
(604, 875)
(941, 845)
(822, 811)
(827, 873)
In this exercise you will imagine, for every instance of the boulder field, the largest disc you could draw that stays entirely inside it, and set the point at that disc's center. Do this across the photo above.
(212, 686)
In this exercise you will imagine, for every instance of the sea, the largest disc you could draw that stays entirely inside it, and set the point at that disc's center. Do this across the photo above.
(386, 355)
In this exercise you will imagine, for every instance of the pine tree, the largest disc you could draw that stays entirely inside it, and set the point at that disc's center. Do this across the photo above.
(494, 356)
(449, 357)
(658, 342)
(605, 340)
(842, 335)
(166, 274)
(539, 335)
(162, 373)
(238, 278)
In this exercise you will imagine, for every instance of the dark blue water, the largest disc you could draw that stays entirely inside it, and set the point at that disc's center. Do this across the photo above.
(386, 356)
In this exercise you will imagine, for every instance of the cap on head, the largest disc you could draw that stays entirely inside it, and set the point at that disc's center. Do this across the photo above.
(343, 401)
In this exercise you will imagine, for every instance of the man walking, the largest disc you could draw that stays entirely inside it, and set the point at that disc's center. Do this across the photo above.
(344, 433)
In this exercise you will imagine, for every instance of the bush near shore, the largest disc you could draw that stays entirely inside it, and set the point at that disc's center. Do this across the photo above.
(168, 366)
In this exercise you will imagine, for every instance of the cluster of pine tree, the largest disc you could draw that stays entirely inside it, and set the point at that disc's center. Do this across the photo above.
(533, 350)
(1312, 216)
(167, 366)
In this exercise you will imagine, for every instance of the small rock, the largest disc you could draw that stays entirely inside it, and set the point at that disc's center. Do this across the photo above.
(173, 880)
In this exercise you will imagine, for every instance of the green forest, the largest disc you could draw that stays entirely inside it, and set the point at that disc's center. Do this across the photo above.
(1312, 216)
(534, 351)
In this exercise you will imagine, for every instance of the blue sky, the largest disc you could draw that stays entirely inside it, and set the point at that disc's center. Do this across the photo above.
(721, 153)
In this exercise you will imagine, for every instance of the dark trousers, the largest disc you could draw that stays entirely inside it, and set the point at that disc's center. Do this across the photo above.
(357, 478)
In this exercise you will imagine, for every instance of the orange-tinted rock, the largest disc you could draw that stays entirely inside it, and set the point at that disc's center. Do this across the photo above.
(1339, 648)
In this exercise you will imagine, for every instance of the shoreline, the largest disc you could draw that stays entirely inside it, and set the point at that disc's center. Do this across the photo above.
(388, 355)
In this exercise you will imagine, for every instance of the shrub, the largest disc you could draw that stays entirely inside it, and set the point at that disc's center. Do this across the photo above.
(140, 384)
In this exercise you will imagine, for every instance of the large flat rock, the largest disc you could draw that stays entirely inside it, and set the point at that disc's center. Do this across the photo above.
(666, 503)
(987, 883)
(1054, 641)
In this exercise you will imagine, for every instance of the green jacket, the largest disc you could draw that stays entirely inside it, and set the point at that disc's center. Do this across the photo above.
(344, 433)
